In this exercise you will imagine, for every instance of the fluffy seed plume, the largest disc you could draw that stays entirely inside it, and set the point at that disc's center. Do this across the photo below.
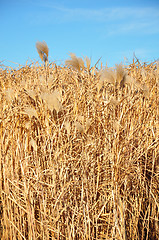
(116, 76)
(52, 100)
(88, 63)
(43, 50)
(120, 75)
(75, 62)
(108, 75)
(79, 127)
(31, 112)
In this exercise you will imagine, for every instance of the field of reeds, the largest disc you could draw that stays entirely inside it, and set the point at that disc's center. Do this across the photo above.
(79, 154)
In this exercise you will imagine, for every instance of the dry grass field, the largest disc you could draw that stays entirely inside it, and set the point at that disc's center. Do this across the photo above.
(79, 154)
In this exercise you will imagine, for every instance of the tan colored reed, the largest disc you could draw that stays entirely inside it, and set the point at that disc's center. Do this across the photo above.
(79, 152)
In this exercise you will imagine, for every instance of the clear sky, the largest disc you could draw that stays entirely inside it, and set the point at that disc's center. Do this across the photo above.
(113, 30)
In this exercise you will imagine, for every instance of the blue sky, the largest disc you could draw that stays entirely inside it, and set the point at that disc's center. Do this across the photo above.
(113, 30)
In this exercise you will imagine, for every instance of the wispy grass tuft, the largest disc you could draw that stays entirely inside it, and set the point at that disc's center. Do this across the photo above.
(78, 63)
(43, 51)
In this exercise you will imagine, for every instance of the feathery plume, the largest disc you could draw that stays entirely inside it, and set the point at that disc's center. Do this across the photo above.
(67, 127)
(31, 112)
(88, 63)
(108, 76)
(43, 50)
(79, 127)
(75, 62)
(120, 73)
(52, 100)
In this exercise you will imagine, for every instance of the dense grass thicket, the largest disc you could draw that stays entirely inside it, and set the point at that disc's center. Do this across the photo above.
(79, 156)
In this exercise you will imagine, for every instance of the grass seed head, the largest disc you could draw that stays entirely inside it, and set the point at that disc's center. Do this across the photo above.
(52, 100)
(120, 73)
(43, 50)
(79, 127)
(88, 63)
(75, 62)
(108, 76)
(31, 112)
(67, 127)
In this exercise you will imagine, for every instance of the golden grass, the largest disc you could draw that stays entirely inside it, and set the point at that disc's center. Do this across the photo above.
(43, 50)
(79, 152)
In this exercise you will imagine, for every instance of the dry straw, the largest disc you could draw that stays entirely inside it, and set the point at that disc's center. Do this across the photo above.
(79, 152)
